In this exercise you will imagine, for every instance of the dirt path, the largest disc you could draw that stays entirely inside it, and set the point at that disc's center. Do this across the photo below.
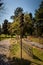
(4, 47)
(28, 42)
(4, 52)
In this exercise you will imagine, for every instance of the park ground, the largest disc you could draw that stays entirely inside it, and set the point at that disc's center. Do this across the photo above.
(32, 57)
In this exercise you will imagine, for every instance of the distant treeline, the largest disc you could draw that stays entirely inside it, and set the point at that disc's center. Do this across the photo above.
(32, 25)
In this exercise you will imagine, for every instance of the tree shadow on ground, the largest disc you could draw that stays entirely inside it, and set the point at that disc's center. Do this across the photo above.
(3, 60)
(18, 61)
(14, 61)
(35, 57)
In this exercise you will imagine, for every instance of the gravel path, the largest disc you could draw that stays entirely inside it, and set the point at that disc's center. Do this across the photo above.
(26, 41)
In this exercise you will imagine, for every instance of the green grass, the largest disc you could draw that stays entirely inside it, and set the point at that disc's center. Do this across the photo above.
(3, 36)
(38, 59)
(14, 48)
(38, 53)
(38, 56)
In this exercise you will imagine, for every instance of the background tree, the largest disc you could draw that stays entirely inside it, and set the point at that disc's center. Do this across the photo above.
(16, 19)
(14, 28)
(39, 19)
(28, 23)
(16, 13)
(5, 27)
(8, 26)
(39, 12)
(1, 3)
(1, 6)
(18, 10)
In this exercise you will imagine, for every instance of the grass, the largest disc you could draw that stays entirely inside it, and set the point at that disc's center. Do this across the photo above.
(38, 53)
(38, 56)
(13, 49)
(3, 36)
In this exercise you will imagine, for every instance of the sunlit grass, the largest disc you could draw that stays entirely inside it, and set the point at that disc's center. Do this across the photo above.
(14, 48)
(3, 36)
(38, 53)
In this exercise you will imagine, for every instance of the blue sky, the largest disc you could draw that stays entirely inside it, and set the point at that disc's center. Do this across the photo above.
(11, 5)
